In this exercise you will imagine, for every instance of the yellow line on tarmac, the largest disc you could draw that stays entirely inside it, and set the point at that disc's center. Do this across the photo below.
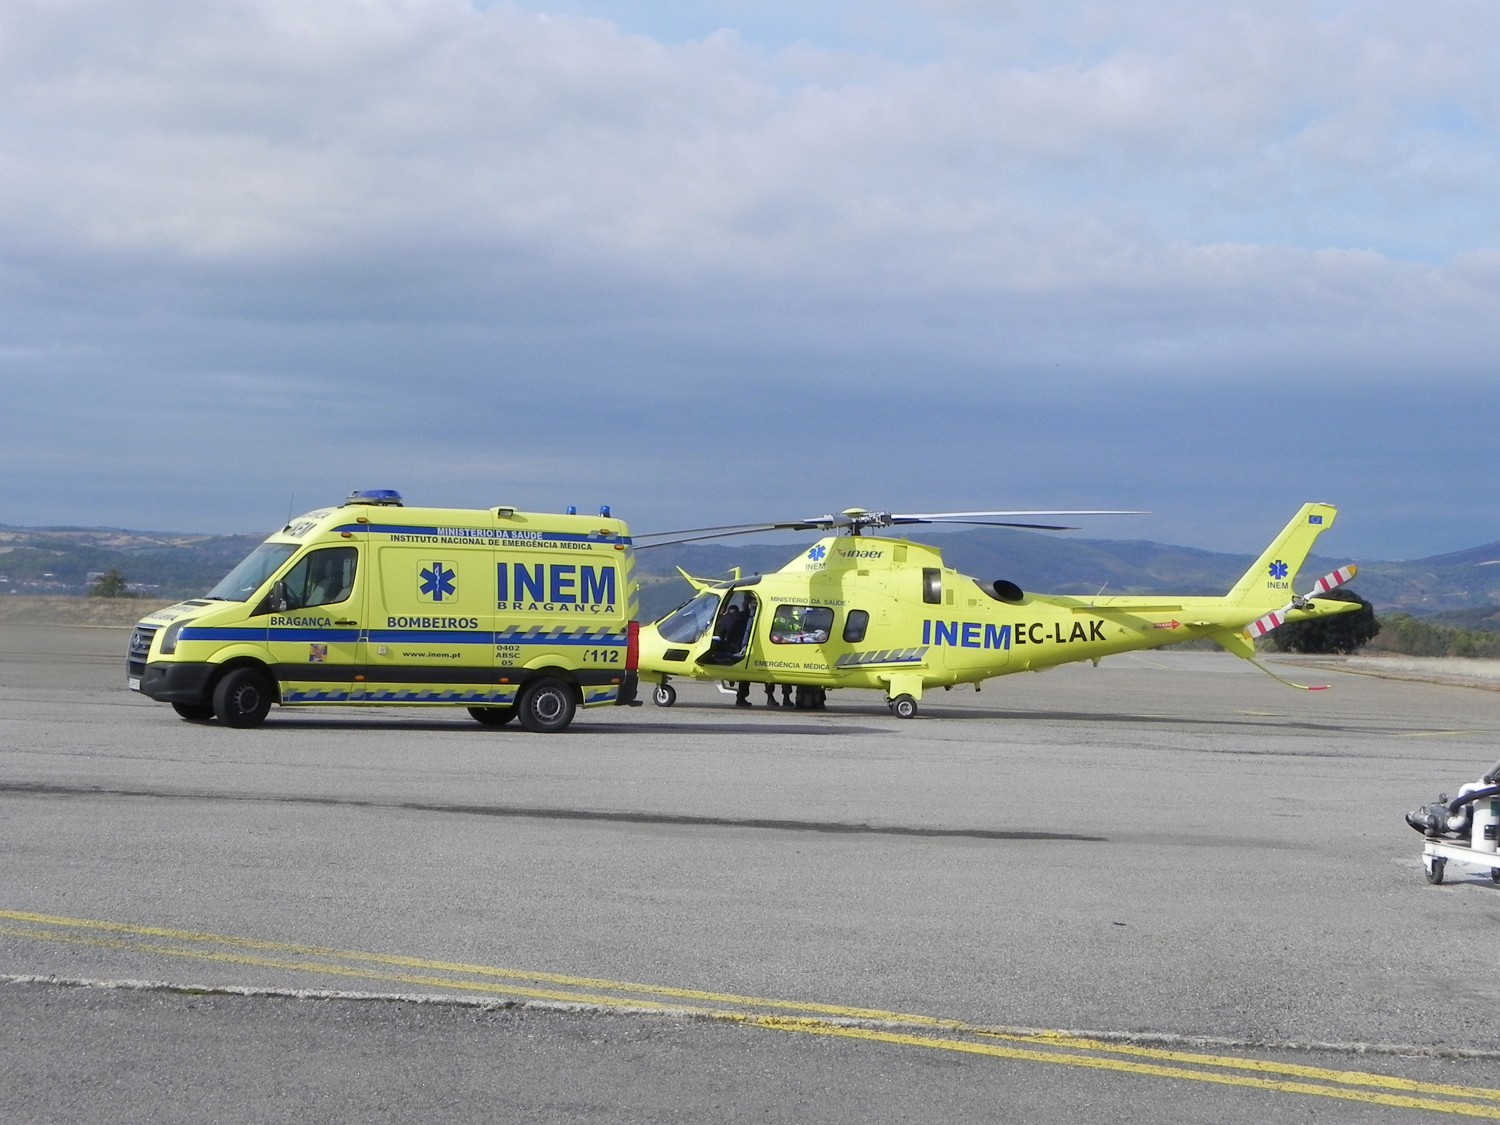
(1349, 1077)
(1051, 1047)
(1124, 1066)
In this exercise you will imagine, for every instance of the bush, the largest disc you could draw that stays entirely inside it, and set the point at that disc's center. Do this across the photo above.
(110, 584)
(1343, 633)
(1411, 636)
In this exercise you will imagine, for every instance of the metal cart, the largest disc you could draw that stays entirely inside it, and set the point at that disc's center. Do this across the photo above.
(1466, 828)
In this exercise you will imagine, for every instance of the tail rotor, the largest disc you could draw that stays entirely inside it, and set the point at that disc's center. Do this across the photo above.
(1277, 617)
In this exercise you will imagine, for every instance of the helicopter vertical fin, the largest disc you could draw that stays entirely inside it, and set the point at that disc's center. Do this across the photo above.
(1268, 582)
(698, 584)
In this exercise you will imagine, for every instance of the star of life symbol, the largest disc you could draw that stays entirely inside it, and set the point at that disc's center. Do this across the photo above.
(437, 581)
(1279, 570)
(817, 553)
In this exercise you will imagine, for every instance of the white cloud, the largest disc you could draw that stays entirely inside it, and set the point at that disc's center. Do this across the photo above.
(424, 224)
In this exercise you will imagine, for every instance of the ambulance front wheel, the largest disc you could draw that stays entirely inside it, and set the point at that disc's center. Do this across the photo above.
(243, 697)
(547, 706)
(904, 707)
(664, 696)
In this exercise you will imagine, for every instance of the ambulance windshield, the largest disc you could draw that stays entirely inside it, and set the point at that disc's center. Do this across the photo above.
(251, 575)
(687, 623)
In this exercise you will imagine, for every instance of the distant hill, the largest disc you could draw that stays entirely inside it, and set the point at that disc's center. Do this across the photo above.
(169, 565)
(1462, 588)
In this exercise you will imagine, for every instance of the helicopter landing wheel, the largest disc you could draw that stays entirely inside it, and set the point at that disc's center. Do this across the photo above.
(664, 696)
(903, 707)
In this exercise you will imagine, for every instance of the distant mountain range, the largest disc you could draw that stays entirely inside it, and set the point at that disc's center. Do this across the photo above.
(1461, 588)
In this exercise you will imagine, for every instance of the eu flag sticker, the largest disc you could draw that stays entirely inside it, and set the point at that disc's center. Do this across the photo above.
(1314, 519)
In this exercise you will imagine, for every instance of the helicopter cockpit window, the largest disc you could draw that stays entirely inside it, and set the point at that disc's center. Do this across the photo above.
(687, 623)
(801, 625)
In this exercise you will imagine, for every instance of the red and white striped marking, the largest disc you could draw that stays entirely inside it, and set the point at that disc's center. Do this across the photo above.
(1334, 578)
(1277, 617)
(1265, 624)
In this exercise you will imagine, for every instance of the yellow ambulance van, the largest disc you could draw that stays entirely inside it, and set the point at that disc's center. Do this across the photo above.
(513, 615)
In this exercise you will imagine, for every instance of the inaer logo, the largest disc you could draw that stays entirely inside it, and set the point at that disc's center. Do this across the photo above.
(437, 581)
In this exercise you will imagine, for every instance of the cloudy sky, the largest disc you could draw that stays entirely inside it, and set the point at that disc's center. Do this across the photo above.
(724, 261)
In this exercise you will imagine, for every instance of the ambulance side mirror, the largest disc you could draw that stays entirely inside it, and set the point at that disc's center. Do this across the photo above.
(277, 601)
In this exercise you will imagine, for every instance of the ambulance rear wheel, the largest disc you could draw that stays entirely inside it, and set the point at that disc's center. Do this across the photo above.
(547, 706)
(242, 698)
(664, 696)
(492, 716)
(195, 712)
(904, 707)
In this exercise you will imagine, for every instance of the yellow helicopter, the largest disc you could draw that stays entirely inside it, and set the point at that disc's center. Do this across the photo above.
(860, 611)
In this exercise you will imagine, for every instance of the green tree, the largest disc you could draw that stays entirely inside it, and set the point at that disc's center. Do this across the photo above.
(110, 584)
(1411, 636)
(1342, 633)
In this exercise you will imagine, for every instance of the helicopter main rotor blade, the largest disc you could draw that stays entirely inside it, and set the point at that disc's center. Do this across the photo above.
(857, 519)
(711, 534)
(972, 518)
(697, 534)
(992, 523)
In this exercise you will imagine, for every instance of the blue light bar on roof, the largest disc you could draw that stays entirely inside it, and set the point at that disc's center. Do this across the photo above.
(387, 497)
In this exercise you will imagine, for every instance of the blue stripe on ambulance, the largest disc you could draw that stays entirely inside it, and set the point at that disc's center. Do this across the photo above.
(534, 636)
(429, 695)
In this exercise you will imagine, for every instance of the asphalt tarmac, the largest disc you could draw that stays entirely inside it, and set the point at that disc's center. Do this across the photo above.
(1165, 889)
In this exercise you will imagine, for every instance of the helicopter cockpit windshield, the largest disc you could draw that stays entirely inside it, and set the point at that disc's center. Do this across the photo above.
(687, 623)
